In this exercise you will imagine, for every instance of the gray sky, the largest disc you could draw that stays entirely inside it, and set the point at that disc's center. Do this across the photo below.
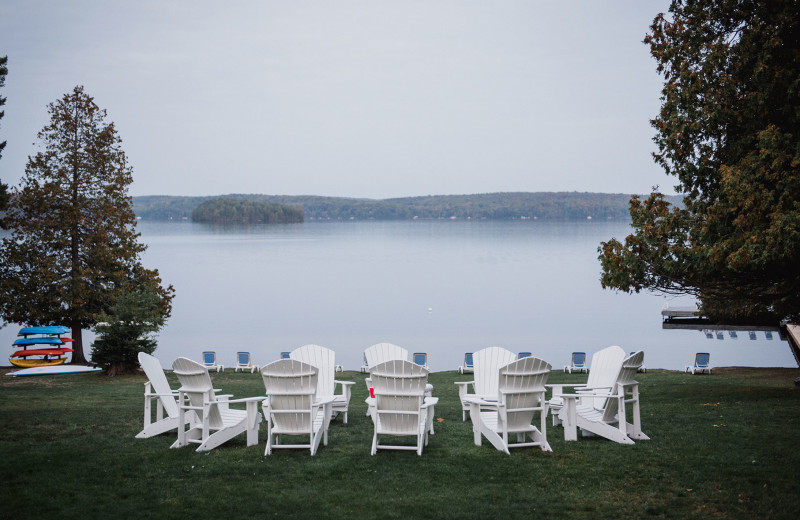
(360, 98)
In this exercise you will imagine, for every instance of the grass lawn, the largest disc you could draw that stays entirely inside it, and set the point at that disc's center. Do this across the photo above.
(724, 445)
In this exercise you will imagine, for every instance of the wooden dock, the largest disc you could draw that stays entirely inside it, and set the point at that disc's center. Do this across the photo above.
(685, 317)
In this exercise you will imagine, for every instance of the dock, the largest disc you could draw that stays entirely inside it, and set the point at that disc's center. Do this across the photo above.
(686, 317)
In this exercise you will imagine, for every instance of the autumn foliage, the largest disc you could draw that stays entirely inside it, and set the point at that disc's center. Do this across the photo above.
(729, 130)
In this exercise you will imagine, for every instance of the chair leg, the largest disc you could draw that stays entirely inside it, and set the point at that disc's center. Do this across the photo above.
(569, 418)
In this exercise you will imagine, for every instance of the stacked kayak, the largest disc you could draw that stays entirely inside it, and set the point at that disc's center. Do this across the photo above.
(40, 346)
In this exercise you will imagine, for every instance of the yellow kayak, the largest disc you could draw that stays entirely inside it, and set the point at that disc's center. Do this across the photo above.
(29, 363)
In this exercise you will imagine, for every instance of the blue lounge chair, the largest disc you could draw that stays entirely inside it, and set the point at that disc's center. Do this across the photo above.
(578, 363)
(702, 362)
(243, 362)
(467, 366)
(210, 361)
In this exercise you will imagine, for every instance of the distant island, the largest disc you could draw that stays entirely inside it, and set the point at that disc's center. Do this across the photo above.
(227, 210)
(489, 206)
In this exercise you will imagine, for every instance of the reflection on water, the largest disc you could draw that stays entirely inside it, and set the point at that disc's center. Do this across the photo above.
(441, 287)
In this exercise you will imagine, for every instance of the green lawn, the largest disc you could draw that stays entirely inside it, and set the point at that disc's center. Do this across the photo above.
(723, 446)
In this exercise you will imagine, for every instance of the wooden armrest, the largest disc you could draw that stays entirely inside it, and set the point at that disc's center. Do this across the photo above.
(174, 393)
(567, 397)
(472, 398)
(602, 391)
(430, 401)
(247, 400)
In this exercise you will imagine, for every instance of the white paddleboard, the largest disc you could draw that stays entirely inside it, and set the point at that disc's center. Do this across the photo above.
(53, 370)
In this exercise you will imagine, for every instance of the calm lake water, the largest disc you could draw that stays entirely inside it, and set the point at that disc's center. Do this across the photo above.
(441, 287)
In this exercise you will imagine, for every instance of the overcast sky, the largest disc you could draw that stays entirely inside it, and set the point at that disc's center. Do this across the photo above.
(357, 98)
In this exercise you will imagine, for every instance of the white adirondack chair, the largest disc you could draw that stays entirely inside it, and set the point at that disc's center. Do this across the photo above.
(578, 363)
(324, 359)
(210, 361)
(157, 389)
(215, 423)
(292, 406)
(642, 369)
(401, 408)
(486, 363)
(702, 362)
(521, 394)
(381, 352)
(604, 413)
(243, 362)
(605, 367)
(375, 355)
(468, 365)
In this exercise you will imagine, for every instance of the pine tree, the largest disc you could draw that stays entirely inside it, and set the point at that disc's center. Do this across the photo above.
(73, 246)
(127, 329)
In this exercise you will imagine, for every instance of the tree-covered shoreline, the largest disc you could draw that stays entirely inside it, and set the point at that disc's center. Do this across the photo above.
(489, 206)
(225, 210)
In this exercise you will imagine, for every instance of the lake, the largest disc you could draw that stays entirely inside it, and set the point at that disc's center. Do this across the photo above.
(442, 287)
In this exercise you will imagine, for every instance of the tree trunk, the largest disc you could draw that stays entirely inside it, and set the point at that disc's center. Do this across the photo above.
(118, 369)
(77, 345)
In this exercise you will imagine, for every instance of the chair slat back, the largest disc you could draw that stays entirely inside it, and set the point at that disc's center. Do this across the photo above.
(487, 363)
(399, 394)
(158, 380)
(627, 373)
(521, 387)
(603, 373)
(196, 383)
(381, 352)
(324, 359)
(291, 387)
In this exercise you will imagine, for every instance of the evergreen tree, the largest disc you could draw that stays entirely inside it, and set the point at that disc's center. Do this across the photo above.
(73, 245)
(128, 329)
(729, 130)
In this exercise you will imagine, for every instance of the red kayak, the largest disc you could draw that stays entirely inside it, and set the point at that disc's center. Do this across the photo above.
(42, 352)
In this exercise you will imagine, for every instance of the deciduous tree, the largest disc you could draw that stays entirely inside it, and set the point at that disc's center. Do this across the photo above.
(73, 246)
(729, 130)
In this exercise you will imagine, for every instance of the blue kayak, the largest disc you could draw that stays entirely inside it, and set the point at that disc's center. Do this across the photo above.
(49, 340)
(55, 330)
